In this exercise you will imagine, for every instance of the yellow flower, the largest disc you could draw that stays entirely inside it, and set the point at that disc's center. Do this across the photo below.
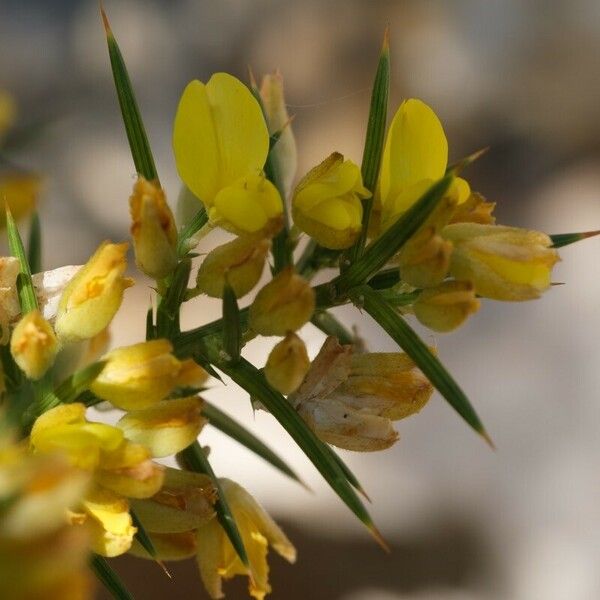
(167, 427)
(153, 230)
(287, 364)
(121, 469)
(138, 376)
(19, 193)
(278, 120)
(221, 142)
(217, 558)
(327, 202)
(41, 556)
(33, 344)
(285, 304)
(415, 156)
(504, 263)
(92, 298)
(447, 306)
(350, 400)
(239, 262)
(475, 209)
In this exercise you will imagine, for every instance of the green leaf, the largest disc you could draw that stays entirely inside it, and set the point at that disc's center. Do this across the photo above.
(134, 126)
(240, 434)
(34, 249)
(111, 581)
(374, 141)
(150, 329)
(72, 387)
(199, 220)
(399, 330)
(564, 239)
(232, 333)
(253, 381)
(27, 297)
(379, 252)
(194, 459)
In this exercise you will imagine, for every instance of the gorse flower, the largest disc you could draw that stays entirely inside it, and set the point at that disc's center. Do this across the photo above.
(216, 556)
(221, 141)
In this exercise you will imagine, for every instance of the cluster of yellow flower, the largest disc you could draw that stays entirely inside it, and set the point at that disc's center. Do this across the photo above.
(72, 485)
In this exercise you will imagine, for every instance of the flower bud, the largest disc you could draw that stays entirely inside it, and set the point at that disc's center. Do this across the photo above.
(240, 261)
(184, 502)
(425, 259)
(249, 206)
(92, 298)
(504, 263)
(138, 376)
(285, 304)
(278, 121)
(447, 306)
(33, 345)
(287, 364)
(153, 230)
(327, 202)
(165, 428)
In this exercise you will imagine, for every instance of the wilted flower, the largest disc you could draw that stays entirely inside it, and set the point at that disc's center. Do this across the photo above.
(447, 306)
(287, 364)
(153, 230)
(504, 263)
(217, 558)
(221, 142)
(327, 202)
(138, 376)
(239, 263)
(350, 400)
(92, 298)
(285, 304)
(415, 156)
(33, 344)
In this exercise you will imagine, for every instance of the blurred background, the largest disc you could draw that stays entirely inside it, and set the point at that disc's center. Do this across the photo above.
(521, 76)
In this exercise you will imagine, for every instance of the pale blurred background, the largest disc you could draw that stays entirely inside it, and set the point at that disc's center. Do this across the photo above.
(521, 76)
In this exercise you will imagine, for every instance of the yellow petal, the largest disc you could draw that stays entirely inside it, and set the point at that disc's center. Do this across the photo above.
(166, 427)
(111, 527)
(416, 148)
(140, 481)
(219, 136)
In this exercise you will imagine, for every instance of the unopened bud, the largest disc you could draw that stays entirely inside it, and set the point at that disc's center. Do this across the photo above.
(92, 298)
(287, 364)
(33, 344)
(153, 230)
(285, 304)
(239, 262)
(327, 202)
(447, 306)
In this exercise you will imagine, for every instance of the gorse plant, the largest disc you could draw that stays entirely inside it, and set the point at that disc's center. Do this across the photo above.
(401, 236)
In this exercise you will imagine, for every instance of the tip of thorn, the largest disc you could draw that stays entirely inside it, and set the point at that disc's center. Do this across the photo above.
(364, 494)
(386, 39)
(589, 234)
(488, 440)
(105, 20)
(379, 538)
(162, 565)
